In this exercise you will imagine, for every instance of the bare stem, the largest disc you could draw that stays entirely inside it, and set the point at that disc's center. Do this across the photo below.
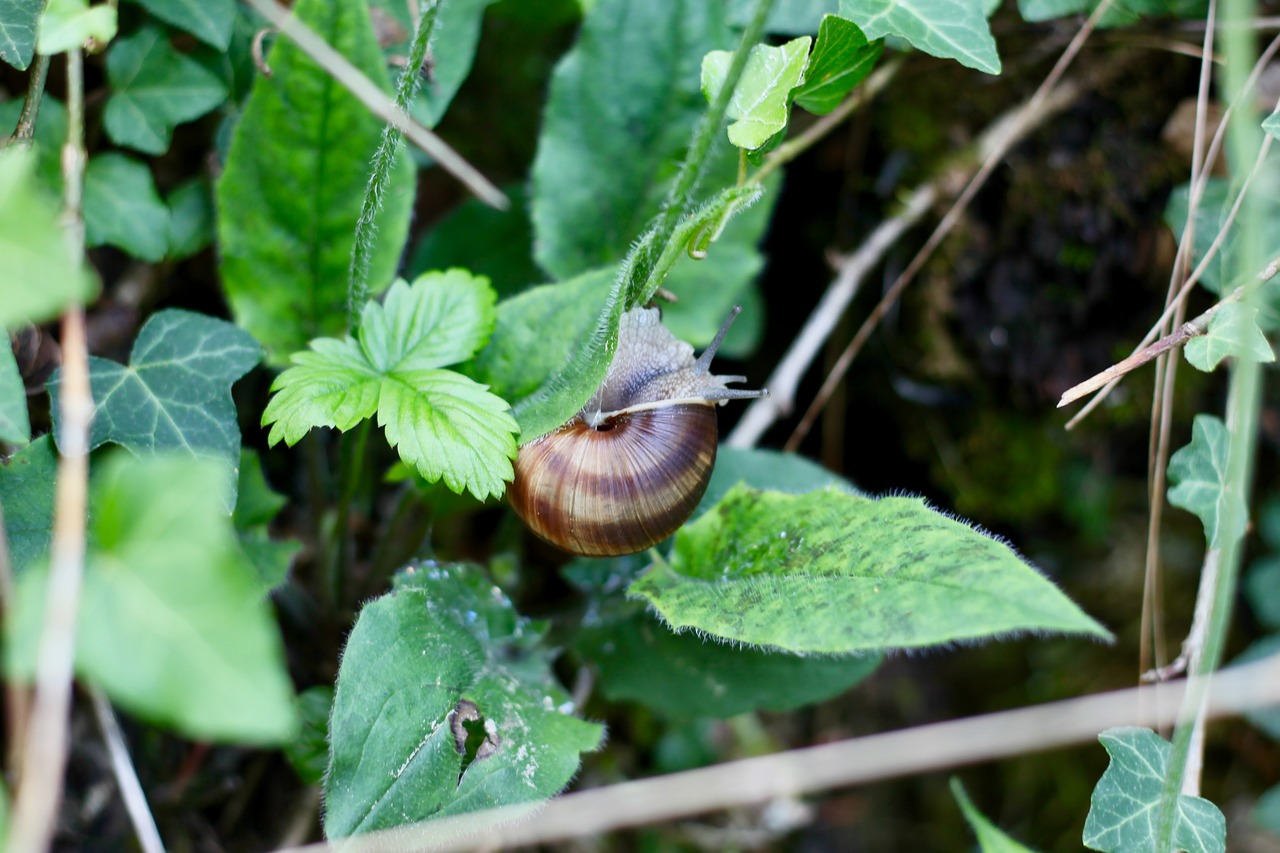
(135, 800)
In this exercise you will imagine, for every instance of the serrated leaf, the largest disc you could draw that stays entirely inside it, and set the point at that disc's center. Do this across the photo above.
(833, 572)
(40, 276)
(191, 219)
(1198, 474)
(842, 58)
(175, 393)
(1233, 331)
(211, 21)
(171, 625)
(991, 839)
(761, 99)
(291, 191)
(444, 424)
(122, 207)
(67, 24)
(1126, 801)
(155, 88)
(26, 493)
(308, 753)
(950, 29)
(15, 425)
(18, 31)
(443, 650)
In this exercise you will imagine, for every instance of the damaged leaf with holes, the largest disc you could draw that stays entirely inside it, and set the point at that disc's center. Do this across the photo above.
(445, 704)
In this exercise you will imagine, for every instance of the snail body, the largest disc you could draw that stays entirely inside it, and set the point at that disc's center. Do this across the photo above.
(627, 470)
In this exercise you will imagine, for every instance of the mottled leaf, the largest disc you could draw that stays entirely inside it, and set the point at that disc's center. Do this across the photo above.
(256, 506)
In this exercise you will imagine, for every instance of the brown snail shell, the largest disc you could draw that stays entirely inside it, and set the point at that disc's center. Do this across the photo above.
(629, 468)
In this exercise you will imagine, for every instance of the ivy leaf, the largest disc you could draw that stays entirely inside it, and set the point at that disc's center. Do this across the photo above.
(40, 277)
(761, 99)
(1126, 802)
(842, 58)
(990, 837)
(788, 571)
(122, 207)
(1198, 473)
(445, 704)
(26, 493)
(211, 21)
(191, 219)
(18, 31)
(175, 393)
(950, 29)
(68, 24)
(256, 505)
(292, 188)
(172, 625)
(443, 424)
(1233, 331)
(15, 425)
(154, 88)
(1271, 124)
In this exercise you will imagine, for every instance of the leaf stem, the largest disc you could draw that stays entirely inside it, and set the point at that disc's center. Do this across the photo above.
(25, 132)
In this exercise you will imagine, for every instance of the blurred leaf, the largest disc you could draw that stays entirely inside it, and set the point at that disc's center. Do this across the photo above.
(786, 571)
(123, 209)
(292, 188)
(175, 394)
(1198, 474)
(308, 753)
(51, 132)
(1126, 802)
(1262, 588)
(211, 21)
(761, 101)
(787, 17)
(26, 494)
(68, 24)
(1233, 331)
(842, 58)
(40, 276)
(441, 422)
(494, 243)
(1265, 719)
(154, 88)
(439, 671)
(15, 426)
(990, 837)
(1266, 812)
(191, 219)
(1034, 11)
(256, 506)
(18, 33)
(1271, 124)
(172, 625)
(950, 29)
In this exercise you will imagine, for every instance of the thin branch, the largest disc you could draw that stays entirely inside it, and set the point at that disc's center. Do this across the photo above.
(25, 132)
(135, 800)
(365, 91)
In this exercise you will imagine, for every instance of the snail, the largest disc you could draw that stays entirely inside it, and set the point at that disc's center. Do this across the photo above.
(629, 469)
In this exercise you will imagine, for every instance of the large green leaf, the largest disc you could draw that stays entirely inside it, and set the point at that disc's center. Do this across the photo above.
(18, 31)
(211, 21)
(154, 88)
(834, 572)
(1126, 801)
(26, 494)
(842, 57)
(951, 29)
(122, 207)
(15, 425)
(172, 624)
(1198, 476)
(445, 704)
(762, 99)
(175, 393)
(291, 192)
(990, 837)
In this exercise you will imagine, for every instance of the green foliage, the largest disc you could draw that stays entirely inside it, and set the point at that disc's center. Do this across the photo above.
(842, 58)
(256, 506)
(172, 624)
(950, 29)
(497, 244)
(15, 425)
(990, 838)
(175, 393)
(1198, 473)
(190, 219)
(18, 31)
(441, 662)
(1266, 812)
(291, 191)
(785, 571)
(1271, 124)
(122, 207)
(1123, 809)
(211, 21)
(762, 98)
(1233, 331)
(26, 494)
(308, 753)
(443, 424)
(67, 24)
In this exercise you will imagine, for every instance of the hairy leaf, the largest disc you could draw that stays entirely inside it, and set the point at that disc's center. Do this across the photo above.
(1233, 331)
(1262, 588)
(950, 29)
(18, 31)
(1198, 474)
(211, 21)
(762, 98)
(122, 207)
(842, 58)
(26, 493)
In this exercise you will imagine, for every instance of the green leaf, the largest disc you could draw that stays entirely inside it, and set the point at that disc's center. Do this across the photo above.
(787, 17)
(155, 88)
(15, 426)
(1233, 331)
(1124, 807)
(842, 58)
(684, 675)
(1198, 473)
(765, 469)
(1262, 588)
(950, 29)
(68, 24)
(445, 704)
(172, 624)
(51, 132)
(26, 494)
(256, 506)
(601, 112)
(1266, 812)
(122, 207)
(1271, 124)
(308, 753)
(191, 219)
(833, 572)
(211, 21)
(40, 276)
(175, 393)
(990, 837)
(291, 192)
(443, 424)
(761, 99)
(18, 31)
(1034, 11)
